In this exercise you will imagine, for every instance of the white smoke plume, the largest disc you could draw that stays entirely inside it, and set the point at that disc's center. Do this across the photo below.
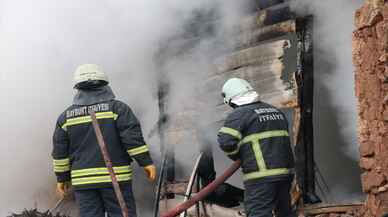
(42, 42)
(335, 114)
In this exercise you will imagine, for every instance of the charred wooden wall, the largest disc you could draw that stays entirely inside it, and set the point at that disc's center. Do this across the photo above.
(272, 49)
(370, 47)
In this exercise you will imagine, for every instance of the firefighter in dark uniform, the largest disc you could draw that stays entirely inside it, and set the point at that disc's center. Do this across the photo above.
(257, 134)
(76, 154)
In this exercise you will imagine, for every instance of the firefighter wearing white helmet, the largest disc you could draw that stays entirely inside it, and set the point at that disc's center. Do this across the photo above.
(88, 74)
(237, 91)
(76, 154)
(257, 134)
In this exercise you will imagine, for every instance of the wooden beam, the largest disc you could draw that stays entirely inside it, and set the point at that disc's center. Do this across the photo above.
(262, 54)
(253, 36)
(215, 82)
(327, 209)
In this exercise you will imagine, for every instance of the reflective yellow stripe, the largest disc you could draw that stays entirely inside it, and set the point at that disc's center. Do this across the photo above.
(138, 150)
(100, 179)
(266, 173)
(61, 169)
(254, 140)
(61, 162)
(264, 135)
(88, 119)
(259, 156)
(231, 132)
(99, 171)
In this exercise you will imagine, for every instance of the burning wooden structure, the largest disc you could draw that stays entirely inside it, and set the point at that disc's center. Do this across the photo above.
(273, 49)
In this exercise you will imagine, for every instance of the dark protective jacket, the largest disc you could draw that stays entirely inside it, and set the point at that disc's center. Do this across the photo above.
(257, 133)
(76, 153)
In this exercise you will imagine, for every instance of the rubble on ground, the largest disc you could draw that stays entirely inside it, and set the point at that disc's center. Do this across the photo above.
(333, 210)
(36, 213)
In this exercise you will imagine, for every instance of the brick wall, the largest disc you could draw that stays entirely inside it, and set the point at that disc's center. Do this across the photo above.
(370, 46)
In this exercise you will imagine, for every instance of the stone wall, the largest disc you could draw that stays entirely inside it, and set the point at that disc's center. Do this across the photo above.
(370, 46)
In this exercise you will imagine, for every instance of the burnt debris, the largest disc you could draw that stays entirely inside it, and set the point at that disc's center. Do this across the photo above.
(36, 213)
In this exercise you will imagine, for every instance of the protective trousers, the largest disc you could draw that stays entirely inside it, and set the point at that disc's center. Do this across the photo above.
(264, 198)
(97, 202)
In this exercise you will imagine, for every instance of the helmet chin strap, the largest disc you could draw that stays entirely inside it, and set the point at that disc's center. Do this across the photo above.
(229, 103)
(233, 105)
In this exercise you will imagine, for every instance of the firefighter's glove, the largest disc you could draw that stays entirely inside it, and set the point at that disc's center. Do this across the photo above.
(151, 172)
(63, 188)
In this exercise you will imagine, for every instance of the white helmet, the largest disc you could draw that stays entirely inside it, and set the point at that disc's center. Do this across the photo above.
(235, 87)
(89, 72)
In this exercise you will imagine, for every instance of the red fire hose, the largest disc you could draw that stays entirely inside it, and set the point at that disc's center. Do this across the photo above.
(204, 192)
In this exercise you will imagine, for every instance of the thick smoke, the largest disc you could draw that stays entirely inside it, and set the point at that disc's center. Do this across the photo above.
(42, 42)
(206, 35)
(335, 115)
